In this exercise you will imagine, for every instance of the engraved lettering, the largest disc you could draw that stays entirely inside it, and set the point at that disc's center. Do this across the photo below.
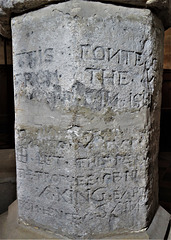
(35, 58)
(124, 79)
(48, 55)
(85, 51)
(98, 194)
(114, 55)
(99, 53)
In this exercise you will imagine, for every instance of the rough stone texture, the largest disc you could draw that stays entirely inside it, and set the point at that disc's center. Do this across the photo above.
(87, 102)
(10, 228)
(9, 7)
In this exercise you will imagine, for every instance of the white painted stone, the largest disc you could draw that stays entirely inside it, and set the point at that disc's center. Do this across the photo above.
(87, 100)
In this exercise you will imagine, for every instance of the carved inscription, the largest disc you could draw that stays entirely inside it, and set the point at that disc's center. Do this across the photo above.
(109, 77)
(95, 177)
(87, 89)
(99, 87)
(99, 53)
(35, 58)
(90, 170)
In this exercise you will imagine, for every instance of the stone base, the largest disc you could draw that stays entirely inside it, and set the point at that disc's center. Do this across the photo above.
(10, 229)
(159, 226)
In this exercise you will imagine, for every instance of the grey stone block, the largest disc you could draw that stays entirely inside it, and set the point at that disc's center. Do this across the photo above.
(87, 82)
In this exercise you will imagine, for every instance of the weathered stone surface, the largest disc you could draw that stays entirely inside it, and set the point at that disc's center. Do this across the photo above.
(161, 7)
(10, 228)
(87, 102)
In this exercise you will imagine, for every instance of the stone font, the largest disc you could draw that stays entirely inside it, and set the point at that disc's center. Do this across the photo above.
(86, 101)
